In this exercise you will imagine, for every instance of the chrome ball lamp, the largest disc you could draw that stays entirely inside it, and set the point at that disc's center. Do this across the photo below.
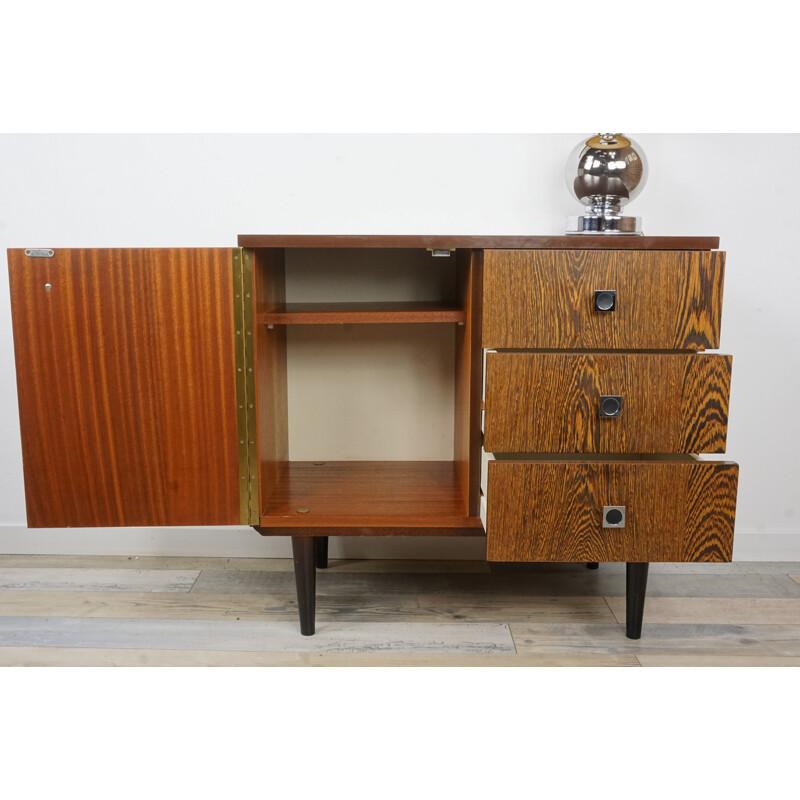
(605, 172)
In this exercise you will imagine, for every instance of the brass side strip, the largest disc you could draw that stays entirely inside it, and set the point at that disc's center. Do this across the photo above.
(249, 337)
(245, 385)
(241, 388)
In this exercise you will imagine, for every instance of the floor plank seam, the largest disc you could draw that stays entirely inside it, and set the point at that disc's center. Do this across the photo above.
(608, 606)
(511, 634)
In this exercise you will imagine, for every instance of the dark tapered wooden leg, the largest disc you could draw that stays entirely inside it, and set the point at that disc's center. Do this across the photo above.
(635, 589)
(592, 565)
(305, 576)
(321, 551)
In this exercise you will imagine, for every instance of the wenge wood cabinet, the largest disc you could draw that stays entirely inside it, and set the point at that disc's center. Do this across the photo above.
(154, 390)
(548, 509)
(550, 402)
(665, 299)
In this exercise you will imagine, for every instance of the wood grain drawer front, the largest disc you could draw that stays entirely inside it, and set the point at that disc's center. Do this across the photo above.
(553, 511)
(550, 402)
(665, 300)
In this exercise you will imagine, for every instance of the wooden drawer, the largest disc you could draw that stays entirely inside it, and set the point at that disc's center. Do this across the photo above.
(546, 509)
(550, 402)
(665, 300)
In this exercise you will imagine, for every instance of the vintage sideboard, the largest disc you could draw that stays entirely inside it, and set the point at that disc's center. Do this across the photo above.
(153, 392)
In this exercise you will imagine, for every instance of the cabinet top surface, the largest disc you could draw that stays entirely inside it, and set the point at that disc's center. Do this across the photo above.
(573, 242)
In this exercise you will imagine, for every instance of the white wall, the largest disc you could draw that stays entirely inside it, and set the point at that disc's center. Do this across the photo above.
(170, 190)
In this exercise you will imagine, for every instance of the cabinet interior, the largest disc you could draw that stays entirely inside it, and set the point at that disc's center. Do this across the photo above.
(366, 362)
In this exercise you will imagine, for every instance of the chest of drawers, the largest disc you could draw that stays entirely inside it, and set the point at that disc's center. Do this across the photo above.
(154, 390)
(597, 401)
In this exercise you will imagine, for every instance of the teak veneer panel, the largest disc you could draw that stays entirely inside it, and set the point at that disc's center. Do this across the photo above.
(545, 299)
(376, 494)
(468, 379)
(574, 242)
(552, 511)
(549, 402)
(125, 373)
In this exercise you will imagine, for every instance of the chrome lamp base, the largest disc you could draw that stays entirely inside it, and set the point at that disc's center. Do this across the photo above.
(630, 226)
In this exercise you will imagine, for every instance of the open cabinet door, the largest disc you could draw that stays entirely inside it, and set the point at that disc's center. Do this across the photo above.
(127, 386)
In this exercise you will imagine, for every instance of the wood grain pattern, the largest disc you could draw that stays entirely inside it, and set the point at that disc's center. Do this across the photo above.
(340, 564)
(380, 565)
(545, 299)
(272, 399)
(718, 660)
(113, 657)
(367, 494)
(442, 607)
(170, 634)
(487, 242)
(659, 639)
(552, 511)
(126, 387)
(468, 380)
(360, 313)
(90, 580)
(697, 615)
(549, 403)
(716, 610)
(497, 589)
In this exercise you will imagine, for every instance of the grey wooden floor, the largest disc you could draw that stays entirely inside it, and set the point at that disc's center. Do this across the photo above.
(110, 610)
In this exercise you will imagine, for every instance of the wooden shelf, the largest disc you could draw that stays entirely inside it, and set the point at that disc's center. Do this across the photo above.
(410, 496)
(363, 313)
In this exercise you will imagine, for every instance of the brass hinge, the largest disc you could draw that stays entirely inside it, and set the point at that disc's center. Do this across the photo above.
(244, 344)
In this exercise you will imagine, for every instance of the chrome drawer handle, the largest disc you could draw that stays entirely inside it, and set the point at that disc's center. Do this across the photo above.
(610, 405)
(605, 300)
(613, 516)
